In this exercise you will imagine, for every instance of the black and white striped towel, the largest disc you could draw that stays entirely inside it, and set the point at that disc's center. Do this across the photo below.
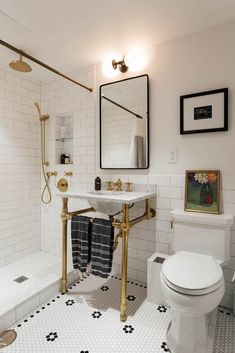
(102, 247)
(81, 242)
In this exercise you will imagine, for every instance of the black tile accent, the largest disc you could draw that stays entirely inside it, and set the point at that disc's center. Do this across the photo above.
(96, 314)
(51, 336)
(162, 309)
(104, 288)
(164, 347)
(131, 298)
(84, 352)
(70, 302)
(19, 325)
(128, 329)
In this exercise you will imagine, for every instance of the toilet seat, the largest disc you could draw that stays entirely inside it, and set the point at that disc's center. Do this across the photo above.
(192, 273)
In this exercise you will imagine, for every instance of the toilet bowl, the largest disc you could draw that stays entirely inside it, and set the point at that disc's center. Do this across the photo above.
(193, 285)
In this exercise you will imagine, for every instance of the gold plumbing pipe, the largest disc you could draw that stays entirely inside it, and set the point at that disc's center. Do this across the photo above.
(69, 215)
(125, 233)
(30, 57)
(64, 246)
(43, 119)
(123, 226)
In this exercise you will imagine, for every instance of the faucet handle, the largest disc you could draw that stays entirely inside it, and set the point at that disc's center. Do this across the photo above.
(68, 173)
(119, 184)
(110, 185)
(128, 186)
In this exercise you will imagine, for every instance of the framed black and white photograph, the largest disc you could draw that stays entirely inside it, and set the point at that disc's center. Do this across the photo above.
(204, 112)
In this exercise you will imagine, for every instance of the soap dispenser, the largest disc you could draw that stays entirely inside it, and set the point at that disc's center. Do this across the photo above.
(97, 183)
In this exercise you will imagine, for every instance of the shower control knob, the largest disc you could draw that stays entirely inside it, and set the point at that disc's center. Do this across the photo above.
(62, 185)
(68, 174)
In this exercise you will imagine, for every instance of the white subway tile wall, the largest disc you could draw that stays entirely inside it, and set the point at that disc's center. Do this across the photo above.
(20, 168)
(61, 97)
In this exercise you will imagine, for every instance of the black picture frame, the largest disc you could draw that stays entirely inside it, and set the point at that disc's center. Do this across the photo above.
(203, 113)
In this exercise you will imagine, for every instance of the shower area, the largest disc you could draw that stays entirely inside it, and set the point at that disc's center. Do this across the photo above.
(28, 275)
(30, 269)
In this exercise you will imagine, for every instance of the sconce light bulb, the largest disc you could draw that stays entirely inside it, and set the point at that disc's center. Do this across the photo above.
(138, 59)
(108, 70)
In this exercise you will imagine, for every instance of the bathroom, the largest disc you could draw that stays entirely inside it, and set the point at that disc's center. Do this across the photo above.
(180, 57)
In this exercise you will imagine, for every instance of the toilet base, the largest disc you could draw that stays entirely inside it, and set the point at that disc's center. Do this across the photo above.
(191, 334)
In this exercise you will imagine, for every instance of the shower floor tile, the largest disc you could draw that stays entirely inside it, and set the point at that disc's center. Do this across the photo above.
(86, 320)
(39, 268)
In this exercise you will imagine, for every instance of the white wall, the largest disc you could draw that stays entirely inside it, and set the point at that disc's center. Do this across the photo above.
(199, 62)
(20, 168)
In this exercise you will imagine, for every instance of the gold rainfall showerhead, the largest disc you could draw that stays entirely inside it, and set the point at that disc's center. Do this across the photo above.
(20, 65)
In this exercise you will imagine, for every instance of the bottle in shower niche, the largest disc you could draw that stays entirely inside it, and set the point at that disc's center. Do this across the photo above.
(62, 159)
(66, 159)
(97, 183)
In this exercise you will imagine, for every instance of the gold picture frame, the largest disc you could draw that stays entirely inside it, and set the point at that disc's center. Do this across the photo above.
(202, 191)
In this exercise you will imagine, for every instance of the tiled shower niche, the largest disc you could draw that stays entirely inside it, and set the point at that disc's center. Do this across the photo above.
(64, 138)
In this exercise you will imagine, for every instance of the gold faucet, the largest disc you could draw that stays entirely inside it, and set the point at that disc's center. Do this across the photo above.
(118, 184)
(110, 185)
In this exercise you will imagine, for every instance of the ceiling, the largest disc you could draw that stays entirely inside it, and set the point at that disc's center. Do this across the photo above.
(75, 33)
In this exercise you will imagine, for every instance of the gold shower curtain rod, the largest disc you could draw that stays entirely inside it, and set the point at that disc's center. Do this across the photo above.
(19, 51)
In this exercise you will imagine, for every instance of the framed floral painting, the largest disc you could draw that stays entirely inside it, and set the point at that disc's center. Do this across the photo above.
(202, 191)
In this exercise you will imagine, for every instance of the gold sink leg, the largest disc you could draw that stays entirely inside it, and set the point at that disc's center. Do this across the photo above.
(125, 233)
(64, 245)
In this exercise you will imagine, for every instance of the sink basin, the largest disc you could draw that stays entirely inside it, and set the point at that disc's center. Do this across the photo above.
(109, 208)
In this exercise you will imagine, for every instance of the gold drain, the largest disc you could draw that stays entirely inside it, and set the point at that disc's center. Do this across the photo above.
(7, 337)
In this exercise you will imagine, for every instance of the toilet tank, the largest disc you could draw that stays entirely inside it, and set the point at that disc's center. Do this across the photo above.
(202, 233)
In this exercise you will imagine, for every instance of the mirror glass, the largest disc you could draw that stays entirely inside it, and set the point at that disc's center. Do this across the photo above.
(124, 124)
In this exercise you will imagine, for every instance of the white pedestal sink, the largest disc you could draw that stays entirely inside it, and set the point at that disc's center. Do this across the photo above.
(108, 202)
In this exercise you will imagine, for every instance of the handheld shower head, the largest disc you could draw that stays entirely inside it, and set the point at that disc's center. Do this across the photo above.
(38, 109)
(41, 117)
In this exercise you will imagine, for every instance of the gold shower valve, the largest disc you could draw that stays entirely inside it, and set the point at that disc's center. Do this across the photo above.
(49, 174)
(62, 185)
(68, 173)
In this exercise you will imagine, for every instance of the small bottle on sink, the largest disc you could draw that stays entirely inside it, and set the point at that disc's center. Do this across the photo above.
(97, 183)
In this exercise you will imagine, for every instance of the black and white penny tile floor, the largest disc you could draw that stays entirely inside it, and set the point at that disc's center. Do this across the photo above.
(86, 320)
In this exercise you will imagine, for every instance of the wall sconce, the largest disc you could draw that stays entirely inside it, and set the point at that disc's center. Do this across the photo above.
(120, 65)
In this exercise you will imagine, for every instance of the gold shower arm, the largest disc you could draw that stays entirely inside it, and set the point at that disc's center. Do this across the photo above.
(30, 57)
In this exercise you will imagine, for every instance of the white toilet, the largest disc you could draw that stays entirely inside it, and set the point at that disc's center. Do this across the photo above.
(192, 280)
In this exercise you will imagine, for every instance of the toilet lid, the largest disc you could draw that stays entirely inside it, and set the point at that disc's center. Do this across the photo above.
(192, 273)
